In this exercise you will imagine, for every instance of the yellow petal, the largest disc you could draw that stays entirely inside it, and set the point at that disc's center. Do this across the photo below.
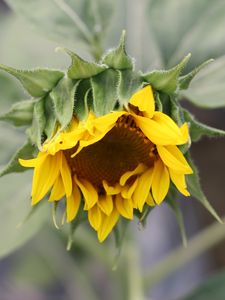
(160, 182)
(66, 176)
(44, 177)
(31, 163)
(138, 170)
(95, 217)
(161, 130)
(105, 202)
(73, 203)
(174, 159)
(150, 201)
(105, 123)
(111, 190)
(179, 181)
(142, 190)
(128, 190)
(108, 222)
(58, 190)
(144, 100)
(89, 192)
(124, 207)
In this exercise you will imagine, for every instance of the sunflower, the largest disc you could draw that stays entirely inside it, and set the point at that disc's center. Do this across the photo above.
(113, 164)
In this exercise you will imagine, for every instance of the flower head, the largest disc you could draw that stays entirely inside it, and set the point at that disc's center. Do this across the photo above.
(113, 164)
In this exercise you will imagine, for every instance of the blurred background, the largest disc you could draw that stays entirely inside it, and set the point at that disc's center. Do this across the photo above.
(159, 34)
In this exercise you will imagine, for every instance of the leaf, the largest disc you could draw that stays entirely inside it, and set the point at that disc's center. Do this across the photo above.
(117, 58)
(50, 114)
(184, 81)
(104, 88)
(166, 80)
(80, 69)
(15, 206)
(20, 114)
(171, 200)
(36, 82)
(197, 129)
(130, 82)
(63, 99)
(39, 122)
(13, 166)
(81, 99)
(194, 187)
(211, 288)
(207, 89)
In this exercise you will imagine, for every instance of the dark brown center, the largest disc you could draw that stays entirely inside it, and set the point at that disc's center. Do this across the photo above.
(121, 150)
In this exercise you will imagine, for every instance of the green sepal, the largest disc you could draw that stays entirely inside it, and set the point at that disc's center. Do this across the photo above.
(63, 99)
(158, 102)
(36, 82)
(81, 103)
(24, 152)
(130, 82)
(197, 129)
(194, 187)
(104, 87)
(184, 81)
(117, 58)
(80, 68)
(142, 216)
(171, 200)
(36, 131)
(51, 123)
(166, 80)
(20, 114)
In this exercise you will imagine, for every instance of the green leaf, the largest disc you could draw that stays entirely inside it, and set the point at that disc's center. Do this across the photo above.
(166, 80)
(211, 288)
(208, 89)
(184, 81)
(197, 129)
(36, 82)
(82, 94)
(130, 82)
(63, 99)
(171, 200)
(80, 69)
(104, 88)
(194, 187)
(15, 205)
(117, 58)
(24, 152)
(20, 114)
(50, 114)
(36, 131)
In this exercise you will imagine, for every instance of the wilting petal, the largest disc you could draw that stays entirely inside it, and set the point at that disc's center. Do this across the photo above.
(144, 100)
(73, 203)
(179, 181)
(138, 170)
(31, 163)
(111, 190)
(105, 202)
(44, 177)
(160, 181)
(124, 207)
(66, 176)
(58, 190)
(174, 159)
(141, 192)
(89, 192)
(95, 217)
(108, 222)
(128, 190)
(161, 130)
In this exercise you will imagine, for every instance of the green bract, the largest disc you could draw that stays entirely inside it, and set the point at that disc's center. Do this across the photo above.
(101, 87)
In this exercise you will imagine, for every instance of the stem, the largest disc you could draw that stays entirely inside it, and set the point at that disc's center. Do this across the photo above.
(200, 243)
